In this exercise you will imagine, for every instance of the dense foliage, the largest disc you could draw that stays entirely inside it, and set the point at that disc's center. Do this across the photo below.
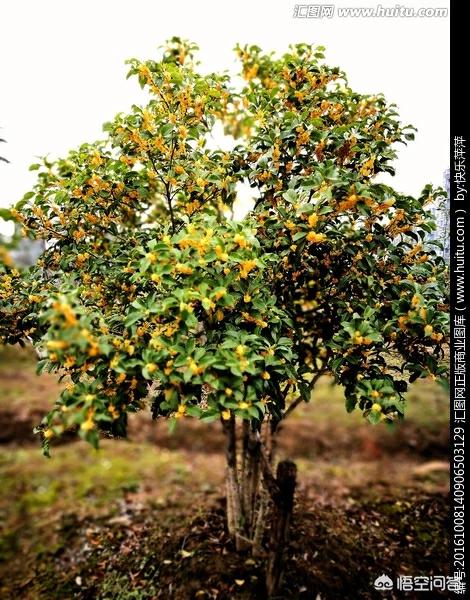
(150, 293)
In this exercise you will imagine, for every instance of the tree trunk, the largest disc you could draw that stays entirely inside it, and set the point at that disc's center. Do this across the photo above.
(251, 488)
(260, 524)
(251, 481)
(253, 492)
(283, 503)
(243, 483)
(234, 508)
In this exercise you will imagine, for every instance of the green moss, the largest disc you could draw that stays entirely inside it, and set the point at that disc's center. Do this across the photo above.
(117, 586)
(43, 495)
(76, 477)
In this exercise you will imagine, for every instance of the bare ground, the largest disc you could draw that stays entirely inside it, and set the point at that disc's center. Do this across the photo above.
(145, 518)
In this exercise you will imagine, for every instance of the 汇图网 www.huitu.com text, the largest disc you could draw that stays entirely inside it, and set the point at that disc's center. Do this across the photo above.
(328, 11)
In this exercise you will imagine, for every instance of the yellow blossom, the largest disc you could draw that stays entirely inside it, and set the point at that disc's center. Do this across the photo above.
(96, 160)
(240, 350)
(368, 167)
(220, 253)
(315, 237)
(402, 322)
(69, 362)
(313, 220)
(220, 293)
(240, 240)
(57, 344)
(246, 267)
(184, 269)
(48, 434)
(181, 411)
(194, 368)
(87, 425)
(415, 301)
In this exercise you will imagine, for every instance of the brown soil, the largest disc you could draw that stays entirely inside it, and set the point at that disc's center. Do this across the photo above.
(369, 501)
(336, 552)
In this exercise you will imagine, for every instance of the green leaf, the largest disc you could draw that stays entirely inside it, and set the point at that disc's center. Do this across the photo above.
(351, 402)
(132, 318)
(374, 417)
(194, 411)
(290, 196)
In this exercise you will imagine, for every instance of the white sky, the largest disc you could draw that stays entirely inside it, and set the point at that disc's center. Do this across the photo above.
(62, 71)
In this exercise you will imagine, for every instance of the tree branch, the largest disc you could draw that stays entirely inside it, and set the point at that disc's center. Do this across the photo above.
(295, 403)
(167, 192)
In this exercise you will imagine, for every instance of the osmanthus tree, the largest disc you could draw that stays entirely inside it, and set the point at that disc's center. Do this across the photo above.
(149, 295)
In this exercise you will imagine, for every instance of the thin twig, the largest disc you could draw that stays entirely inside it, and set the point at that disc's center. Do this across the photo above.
(293, 405)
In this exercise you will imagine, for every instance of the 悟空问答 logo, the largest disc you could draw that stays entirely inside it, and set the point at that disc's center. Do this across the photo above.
(383, 583)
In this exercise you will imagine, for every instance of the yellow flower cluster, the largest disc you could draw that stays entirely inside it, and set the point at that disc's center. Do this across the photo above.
(246, 267)
(67, 312)
(368, 167)
(315, 238)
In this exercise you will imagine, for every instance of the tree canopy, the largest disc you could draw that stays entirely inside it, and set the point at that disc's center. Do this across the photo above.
(149, 293)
